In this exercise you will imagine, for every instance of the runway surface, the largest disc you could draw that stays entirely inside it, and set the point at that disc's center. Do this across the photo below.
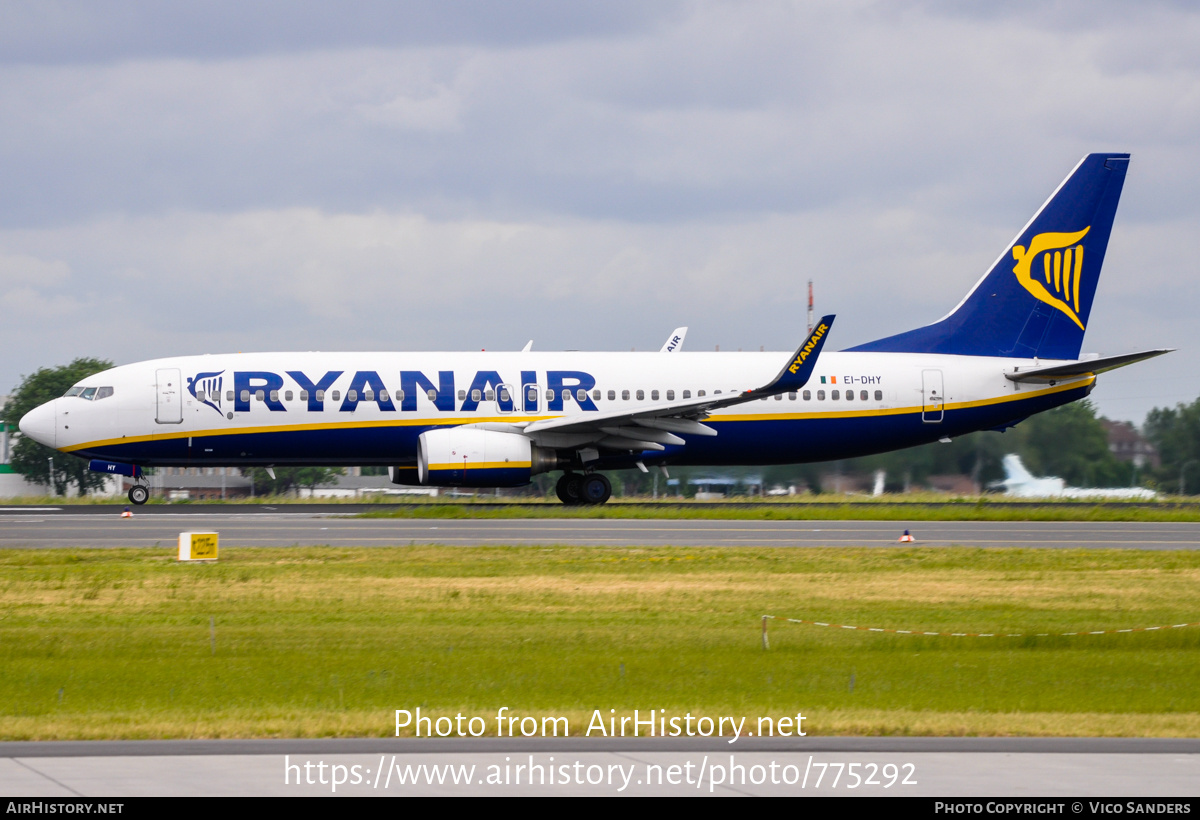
(262, 527)
(914, 767)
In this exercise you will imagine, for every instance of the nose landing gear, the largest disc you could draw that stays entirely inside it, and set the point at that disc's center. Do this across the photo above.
(574, 489)
(139, 494)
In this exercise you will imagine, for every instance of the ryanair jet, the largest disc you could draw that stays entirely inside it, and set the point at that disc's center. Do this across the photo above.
(1011, 348)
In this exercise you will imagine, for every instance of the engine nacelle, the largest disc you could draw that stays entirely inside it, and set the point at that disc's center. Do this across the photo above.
(473, 457)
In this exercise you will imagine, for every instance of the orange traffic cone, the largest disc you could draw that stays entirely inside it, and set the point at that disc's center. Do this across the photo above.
(907, 538)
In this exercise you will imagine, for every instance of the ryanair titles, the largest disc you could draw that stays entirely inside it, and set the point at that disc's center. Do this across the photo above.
(345, 392)
(807, 350)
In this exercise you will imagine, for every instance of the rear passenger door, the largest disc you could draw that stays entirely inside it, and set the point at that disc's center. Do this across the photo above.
(933, 402)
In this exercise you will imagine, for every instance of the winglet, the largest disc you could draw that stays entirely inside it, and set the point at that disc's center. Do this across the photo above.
(798, 370)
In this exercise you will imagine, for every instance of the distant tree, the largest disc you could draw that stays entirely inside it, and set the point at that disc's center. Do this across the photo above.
(288, 478)
(1070, 442)
(313, 477)
(33, 460)
(1175, 433)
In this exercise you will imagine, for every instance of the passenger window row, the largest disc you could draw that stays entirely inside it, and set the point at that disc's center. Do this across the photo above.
(580, 395)
(835, 395)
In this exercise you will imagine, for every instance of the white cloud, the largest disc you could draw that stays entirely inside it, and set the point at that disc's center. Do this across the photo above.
(18, 270)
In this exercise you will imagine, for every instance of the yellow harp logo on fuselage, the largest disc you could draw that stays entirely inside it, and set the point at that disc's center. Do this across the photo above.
(1057, 283)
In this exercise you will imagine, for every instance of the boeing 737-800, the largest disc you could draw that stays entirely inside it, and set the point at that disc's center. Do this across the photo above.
(1011, 348)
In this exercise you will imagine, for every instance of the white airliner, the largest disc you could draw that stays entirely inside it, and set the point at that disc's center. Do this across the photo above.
(1008, 350)
(1019, 482)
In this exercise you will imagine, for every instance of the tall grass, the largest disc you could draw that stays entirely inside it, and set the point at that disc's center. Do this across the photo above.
(324, 641)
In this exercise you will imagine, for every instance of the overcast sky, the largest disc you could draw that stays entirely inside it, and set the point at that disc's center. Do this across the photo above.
(204, 177)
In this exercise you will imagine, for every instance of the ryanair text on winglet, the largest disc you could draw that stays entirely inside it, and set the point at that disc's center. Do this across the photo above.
(808, 347)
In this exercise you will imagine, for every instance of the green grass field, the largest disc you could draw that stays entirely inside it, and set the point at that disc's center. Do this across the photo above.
(321, 641)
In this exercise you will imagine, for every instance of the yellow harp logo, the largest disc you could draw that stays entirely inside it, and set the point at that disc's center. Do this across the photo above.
(1060, 270)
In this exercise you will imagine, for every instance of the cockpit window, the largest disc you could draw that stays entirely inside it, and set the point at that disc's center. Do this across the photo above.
(89, 393)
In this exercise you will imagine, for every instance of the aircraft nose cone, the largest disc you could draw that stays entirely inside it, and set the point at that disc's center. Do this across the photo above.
(39, 425)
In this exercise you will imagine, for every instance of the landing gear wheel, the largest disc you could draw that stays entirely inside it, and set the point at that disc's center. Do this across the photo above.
(570, 489)
(596, 489)
(139, 494)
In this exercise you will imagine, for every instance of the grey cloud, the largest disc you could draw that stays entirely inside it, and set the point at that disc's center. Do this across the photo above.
(733, 110)
(118, 30)
(272, 180)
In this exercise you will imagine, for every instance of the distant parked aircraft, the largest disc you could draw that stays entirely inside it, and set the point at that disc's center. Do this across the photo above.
(1020, 482)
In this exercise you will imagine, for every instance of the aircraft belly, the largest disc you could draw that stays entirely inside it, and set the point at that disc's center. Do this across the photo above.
(329, 446)
(803, 439)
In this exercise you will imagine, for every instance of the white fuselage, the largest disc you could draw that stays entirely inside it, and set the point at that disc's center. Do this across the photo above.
(369, 408)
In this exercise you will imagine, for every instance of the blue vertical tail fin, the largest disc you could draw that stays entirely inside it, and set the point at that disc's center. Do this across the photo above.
(1036, 299)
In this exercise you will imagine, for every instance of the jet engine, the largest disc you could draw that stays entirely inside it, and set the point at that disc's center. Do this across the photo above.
(474, 457)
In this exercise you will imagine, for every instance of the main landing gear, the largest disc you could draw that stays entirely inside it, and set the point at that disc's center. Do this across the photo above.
(139, 494)
(574, 489)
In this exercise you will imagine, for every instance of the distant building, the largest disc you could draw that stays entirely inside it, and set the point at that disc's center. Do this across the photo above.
(355, 485)
(1127, 444)
(12, 484)
(712, 487)
(836, 480)
(954, 484)
(197, 483)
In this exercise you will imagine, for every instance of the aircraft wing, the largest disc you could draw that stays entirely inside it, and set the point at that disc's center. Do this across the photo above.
(652, 427)
(1081, 368)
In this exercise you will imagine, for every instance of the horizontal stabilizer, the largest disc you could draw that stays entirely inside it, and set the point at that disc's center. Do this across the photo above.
(1084, 367)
